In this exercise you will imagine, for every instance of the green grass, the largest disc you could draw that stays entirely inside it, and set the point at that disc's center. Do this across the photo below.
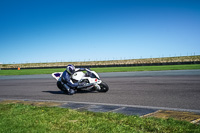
(26, 118)
(30, 71)
(108, 62)
(147, 68)
(105, 69)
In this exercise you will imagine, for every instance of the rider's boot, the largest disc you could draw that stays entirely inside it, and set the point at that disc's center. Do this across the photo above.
(69, 90)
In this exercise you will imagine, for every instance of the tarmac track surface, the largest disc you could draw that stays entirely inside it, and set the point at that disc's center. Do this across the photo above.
(168, 89)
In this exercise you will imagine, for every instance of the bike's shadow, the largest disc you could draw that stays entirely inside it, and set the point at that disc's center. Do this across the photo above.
(62, 93)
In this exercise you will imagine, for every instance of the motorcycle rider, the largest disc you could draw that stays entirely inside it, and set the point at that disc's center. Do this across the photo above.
(64, 83)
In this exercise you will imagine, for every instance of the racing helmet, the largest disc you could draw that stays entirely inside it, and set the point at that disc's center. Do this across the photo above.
(70, 69)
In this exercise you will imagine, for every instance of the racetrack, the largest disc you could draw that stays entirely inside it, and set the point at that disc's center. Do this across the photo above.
(169, 89)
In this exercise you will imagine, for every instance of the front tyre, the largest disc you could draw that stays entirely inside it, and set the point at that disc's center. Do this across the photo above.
(104, 87)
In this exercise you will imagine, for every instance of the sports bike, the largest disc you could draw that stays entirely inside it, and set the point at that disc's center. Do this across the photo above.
(90, 81)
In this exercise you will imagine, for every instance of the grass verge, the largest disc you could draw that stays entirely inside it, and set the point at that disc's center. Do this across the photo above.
(177, 59)
(105, 69)
(147, 68)
(28, 118)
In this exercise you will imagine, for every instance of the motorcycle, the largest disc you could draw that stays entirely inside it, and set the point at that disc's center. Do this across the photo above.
(90, 79)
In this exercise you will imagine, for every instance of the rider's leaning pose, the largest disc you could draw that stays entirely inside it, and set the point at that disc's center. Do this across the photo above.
(64, 82)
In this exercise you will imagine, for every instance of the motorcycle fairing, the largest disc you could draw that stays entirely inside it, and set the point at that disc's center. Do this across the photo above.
(57, 75)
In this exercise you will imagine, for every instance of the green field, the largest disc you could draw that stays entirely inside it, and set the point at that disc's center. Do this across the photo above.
(178, 59)
(18, 118)
(105, 69)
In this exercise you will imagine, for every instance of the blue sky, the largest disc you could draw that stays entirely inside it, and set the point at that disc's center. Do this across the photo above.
(83, 30)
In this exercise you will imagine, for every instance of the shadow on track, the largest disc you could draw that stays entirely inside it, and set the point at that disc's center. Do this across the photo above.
(54, 92)
(60, 92)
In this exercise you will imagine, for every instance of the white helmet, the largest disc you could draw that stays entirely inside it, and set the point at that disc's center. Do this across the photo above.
(70, 69)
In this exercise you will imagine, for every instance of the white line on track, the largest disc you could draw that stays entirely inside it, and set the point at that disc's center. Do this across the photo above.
(121, 105)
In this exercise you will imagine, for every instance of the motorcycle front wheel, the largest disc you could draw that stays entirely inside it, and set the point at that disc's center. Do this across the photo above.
(104, 87)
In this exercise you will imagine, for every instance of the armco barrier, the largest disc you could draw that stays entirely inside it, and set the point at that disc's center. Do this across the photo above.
(113, 65)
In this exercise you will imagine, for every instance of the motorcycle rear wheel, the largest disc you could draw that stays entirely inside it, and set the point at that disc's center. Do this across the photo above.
(104, 87)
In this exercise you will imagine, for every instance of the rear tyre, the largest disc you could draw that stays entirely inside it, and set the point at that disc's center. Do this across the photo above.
(104, 87)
